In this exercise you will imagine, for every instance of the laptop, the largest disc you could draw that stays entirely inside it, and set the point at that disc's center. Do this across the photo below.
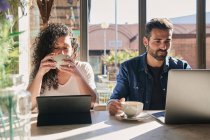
(188, 97)
(63, 110)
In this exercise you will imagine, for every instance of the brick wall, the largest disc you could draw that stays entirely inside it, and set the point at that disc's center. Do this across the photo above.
(186, 49)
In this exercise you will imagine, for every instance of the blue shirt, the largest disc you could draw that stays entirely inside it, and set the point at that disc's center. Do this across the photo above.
(134, 82)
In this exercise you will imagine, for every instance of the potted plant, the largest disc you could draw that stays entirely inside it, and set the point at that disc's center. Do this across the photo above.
(121, 56)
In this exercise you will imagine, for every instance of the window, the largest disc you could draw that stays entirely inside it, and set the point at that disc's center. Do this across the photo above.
(113, 33)
(109, 34)
(184, 20)
(66, 12)
(113, 38)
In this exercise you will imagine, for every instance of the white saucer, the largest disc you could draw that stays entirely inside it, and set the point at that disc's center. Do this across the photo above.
(140, 117)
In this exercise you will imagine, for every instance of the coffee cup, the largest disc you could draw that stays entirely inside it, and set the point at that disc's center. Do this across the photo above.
(59, 59)
(132, 108)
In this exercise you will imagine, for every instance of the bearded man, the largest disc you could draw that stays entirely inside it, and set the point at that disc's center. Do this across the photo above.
(144, 78)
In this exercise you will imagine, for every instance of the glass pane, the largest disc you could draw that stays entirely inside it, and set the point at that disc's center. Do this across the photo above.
(184, 20)
(111, 40)
(208, 34)
(66, 12)
(102, 29)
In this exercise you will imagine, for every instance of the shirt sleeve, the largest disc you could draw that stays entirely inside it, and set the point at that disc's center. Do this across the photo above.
(88, 74)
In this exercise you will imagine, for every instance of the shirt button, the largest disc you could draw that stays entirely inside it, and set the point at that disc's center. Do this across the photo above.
(147, 102)
(164, 89)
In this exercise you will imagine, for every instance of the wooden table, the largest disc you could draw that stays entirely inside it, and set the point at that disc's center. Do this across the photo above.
(108, 127)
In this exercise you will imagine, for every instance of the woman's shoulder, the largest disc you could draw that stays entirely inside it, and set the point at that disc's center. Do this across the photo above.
(83, 65)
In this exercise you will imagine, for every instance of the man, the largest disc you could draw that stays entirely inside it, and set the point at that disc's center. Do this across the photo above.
(144, 78)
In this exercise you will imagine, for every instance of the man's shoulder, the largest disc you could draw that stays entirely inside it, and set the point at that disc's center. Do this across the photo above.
(178, 63)
(134, 60)
(134, 64)
(176, 60)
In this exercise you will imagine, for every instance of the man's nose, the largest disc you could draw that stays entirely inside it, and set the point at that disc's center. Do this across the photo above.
(164, 46)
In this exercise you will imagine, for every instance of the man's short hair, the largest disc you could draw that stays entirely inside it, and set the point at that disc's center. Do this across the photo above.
(158, 23)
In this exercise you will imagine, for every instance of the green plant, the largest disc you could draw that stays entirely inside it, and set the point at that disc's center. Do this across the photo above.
(121, 56)
(8, 39)
(9, 54)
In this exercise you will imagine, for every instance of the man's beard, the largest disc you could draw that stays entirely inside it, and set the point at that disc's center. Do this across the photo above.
(159, 55)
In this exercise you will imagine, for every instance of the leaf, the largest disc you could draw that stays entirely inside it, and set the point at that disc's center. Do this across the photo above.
(13, 34)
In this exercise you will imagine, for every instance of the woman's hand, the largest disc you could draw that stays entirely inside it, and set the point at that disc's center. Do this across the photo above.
(69, 66)
(47, 63)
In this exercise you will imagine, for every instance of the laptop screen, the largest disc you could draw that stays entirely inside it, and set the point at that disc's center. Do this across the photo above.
(188, 96)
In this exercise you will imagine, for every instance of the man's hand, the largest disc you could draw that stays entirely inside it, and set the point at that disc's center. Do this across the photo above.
(115, 106)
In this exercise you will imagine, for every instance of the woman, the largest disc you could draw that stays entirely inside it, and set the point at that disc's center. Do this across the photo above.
(72, 77)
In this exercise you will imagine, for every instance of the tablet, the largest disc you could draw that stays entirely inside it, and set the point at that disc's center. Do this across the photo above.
(61, 110)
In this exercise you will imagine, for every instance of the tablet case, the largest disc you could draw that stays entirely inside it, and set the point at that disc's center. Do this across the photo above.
(64, 110)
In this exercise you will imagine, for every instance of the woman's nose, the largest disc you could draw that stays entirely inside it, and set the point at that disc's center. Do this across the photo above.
(62, 51)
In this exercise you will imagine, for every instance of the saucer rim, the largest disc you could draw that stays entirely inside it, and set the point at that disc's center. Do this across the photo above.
(140, 117)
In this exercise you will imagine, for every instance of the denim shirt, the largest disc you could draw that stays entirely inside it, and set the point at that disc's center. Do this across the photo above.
(134, 82)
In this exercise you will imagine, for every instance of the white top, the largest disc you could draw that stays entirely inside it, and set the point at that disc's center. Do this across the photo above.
(71, 87)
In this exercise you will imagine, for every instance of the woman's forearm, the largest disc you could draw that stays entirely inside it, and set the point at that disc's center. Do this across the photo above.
(34, 88)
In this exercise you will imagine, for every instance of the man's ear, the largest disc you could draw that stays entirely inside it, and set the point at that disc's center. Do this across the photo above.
(145, 41)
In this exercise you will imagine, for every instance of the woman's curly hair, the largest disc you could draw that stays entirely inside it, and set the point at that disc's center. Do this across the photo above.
(43, 45)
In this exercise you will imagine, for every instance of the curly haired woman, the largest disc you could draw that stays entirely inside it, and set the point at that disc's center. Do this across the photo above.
(73, 77)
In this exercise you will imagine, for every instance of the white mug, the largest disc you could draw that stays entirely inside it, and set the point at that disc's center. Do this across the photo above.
(132, 108)
(59, 59)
